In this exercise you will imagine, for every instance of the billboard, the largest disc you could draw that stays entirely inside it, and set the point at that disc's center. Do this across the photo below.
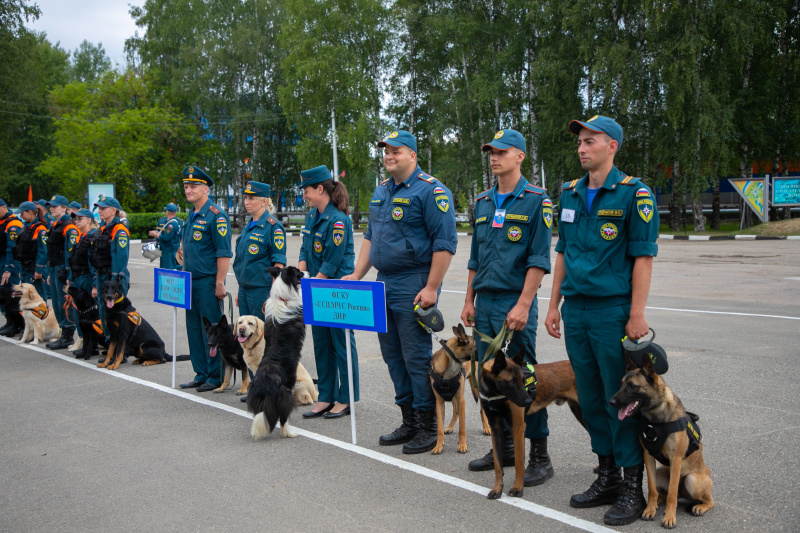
(786, 191)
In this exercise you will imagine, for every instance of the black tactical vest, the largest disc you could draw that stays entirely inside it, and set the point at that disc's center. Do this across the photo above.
(101, 250)
(27, 247)
(79, 257)
(55, 245)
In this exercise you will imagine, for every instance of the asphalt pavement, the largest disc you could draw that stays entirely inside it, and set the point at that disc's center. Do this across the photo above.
(86, 449)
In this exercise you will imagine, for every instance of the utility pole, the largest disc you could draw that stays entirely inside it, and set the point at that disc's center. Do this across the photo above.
(335, 156)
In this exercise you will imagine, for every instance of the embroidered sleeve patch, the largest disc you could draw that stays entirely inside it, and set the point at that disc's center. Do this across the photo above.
(642, 193)
(279, 240)
(547, 216)
(338, 236)
(122, 241)
(222, 228)
(443, 203)
(338, 225)
(645, 209)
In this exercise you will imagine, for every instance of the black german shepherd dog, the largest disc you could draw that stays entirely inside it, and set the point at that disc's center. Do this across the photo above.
(221, 340)
(88, 321)
(127, 329)
(270, 396)
(15, 324)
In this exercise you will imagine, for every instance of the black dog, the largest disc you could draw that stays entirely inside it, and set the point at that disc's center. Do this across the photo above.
(270, 397)
(221, 339)
(127, 329)
(88, 321)
(15, 324)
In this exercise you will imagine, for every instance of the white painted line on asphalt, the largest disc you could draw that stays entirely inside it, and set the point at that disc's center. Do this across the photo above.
(371, 454)
(688, 310)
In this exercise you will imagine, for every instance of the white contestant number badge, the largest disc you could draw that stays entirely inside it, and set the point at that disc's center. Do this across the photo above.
(499, 218)
(568, 215)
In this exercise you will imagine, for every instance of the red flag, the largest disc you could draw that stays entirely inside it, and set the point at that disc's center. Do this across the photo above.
(30, 193)
(342, 174)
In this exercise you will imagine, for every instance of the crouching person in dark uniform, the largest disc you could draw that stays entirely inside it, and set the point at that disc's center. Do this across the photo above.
(30, 251)
(109, 253)
(62, 237)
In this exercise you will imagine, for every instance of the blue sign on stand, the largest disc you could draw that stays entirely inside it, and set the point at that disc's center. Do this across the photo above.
(173, 287)
(344, 304)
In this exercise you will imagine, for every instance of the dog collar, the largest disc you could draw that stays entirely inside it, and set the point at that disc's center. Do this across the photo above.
(493, 398)
(119, 300)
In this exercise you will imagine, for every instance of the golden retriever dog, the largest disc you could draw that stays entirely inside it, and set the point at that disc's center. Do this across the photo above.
(41, 324)
(249, 331)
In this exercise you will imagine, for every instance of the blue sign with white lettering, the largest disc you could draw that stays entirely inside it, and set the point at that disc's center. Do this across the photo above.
(173, 287)
(344, 304)
(786, 191)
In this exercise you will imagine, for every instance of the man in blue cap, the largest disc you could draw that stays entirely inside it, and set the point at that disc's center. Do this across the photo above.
(411, 240)
(45, 213)
(607, 232)
(10, 228)
(30, 251)
(262, 244)
(60, 240)
(206, 242)
(509, 257)
(73, 207)
(168, 235)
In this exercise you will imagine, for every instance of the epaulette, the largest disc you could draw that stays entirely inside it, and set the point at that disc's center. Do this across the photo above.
(384, 181)
(425, 177)
(533, 189)
(484, 194)
(630, 180)
(569, 184)
(214, 209)
(272, 220)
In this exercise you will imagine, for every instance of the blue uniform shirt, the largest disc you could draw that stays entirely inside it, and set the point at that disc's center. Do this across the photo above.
(261, 244)
(501, 256)
(409, 222)
(169, 238)
(206, 236)
(120, 248)
(600, 245)
(328, 243)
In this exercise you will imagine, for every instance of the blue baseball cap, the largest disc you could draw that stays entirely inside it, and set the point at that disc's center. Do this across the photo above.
(399, 138)
(196, 175)
(109, 202)
(2, 202)
(314, 176)
(42, 202)
(75, 205)
(172, 208)
(83, 212)
(599, 124)
(505, 139)
(57, 200)
(27, 206)
(254, 188)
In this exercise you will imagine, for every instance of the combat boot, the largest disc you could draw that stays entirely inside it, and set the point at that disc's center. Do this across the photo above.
(64, 342)
(630, 503)
(405, 432)
(539, 469)
(604, 490)
(487, 461)
(425, 439)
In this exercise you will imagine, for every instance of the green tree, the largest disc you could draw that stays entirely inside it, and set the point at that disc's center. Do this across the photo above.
(89, 62)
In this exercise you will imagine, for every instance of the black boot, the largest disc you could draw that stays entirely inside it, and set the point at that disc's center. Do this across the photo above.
(604, 490)
(405, 432)
(64, 342)
(5, 329)
(630, 503)
(425, 439)
(487, 461)
(539, 469)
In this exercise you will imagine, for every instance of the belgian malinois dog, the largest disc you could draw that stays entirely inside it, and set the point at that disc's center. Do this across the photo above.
(685, 476)
(504, 397)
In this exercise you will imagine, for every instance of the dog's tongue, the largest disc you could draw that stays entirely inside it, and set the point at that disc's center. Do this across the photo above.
(109, 303)
(627, 410)
(212, 351)
(241, 339)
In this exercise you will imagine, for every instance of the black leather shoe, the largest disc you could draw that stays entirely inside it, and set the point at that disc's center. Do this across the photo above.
(60, 344)
(487, 461)
(5, 329)
(630, 503)
(243, 399)
(192, 384)
(205, 387)
(312, 414)
(340, 414)
(425, 439)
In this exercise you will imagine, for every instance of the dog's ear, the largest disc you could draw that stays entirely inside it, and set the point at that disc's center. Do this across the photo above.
(259, 326)
(629, 364)
(461, 334)
(500, 362)
(207, 322)
(274, 272)
(647, 367)
(519, 358)
(223, 322)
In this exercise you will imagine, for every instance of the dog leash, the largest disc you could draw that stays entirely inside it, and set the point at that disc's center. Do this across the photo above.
(504, 336)
(447, 349)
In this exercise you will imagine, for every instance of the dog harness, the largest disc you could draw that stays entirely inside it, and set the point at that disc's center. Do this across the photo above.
(98, 326)
(40, 311)
(529, 380)
(654, 436)
(446, 388)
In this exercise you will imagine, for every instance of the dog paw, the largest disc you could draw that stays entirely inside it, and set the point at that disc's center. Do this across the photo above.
(462, 448)
(649, 514)
(241, 392)
(137, 362)
(437, 450)
(700, 509)
(448, 431)
(221, 389)
(487, 432)
(668, 522)
(495, 494)
(102, 365)
(515, 492)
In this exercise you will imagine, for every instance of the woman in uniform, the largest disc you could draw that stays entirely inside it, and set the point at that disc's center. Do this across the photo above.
(261, 244)
(81, 274)
(327, 253)
(110, 251)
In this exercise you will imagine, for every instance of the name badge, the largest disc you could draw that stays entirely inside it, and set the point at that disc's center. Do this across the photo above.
(499, 218)
(568, 215)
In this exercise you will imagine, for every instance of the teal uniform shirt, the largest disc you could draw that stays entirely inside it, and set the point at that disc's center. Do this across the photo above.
(206, 236)
(328, 243)
(261, 244)
(169, 240)
(161, 222)
(600, 246)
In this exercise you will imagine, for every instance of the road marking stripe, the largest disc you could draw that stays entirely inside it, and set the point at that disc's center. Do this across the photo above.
(688, 310)
(371, 454)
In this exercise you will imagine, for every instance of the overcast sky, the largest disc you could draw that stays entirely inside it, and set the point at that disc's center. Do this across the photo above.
(97, 21)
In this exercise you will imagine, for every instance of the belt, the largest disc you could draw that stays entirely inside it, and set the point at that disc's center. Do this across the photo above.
(582, 302)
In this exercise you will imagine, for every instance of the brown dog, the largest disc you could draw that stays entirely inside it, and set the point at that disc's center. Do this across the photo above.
(685, 475)
(40, 321)
(507, 394)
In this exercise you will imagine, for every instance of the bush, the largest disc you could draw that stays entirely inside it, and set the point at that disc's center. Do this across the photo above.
(140, 224)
